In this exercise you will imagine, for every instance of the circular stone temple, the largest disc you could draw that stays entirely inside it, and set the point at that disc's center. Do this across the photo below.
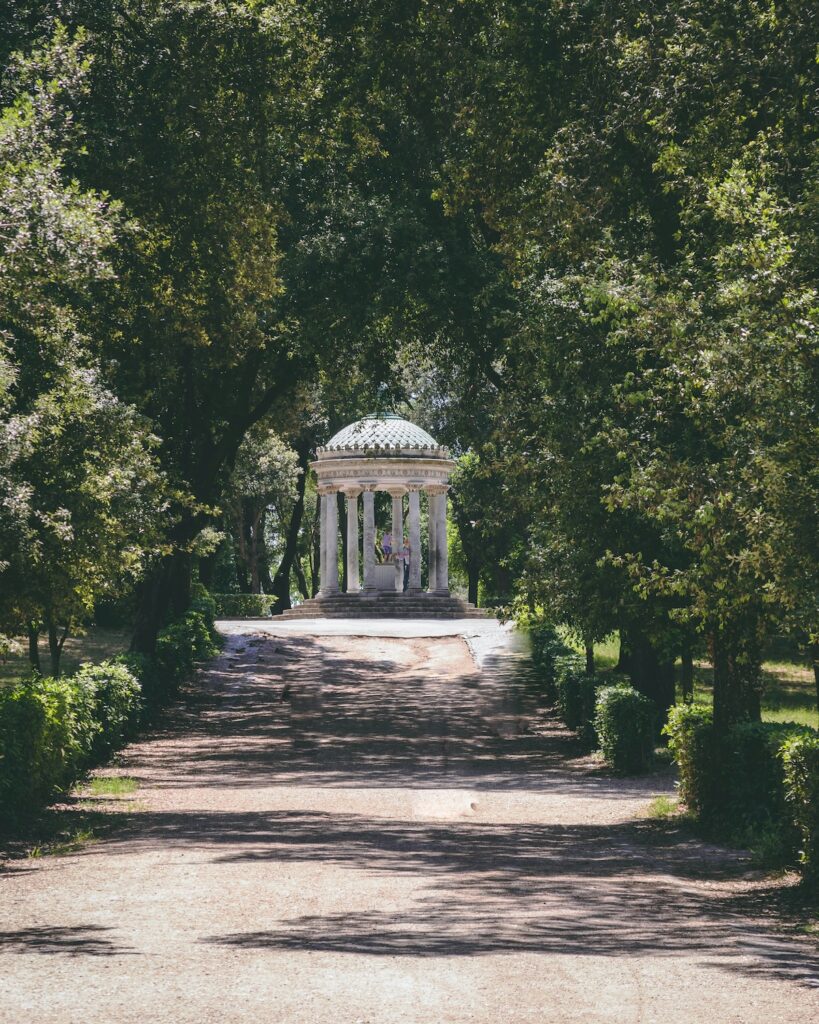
(383, 453)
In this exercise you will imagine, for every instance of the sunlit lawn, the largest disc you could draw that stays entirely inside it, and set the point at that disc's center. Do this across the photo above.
(97, 645)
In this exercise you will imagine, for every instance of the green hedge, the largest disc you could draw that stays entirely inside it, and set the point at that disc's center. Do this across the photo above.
(52, 729)
(690, 732)
(117, 702)
(547, 648)
(760, 785)
(179, 646)
(624, 723)
(239, 606)
(576, 693)
(800, 760)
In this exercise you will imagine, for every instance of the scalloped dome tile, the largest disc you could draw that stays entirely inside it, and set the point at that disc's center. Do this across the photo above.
(387, 431)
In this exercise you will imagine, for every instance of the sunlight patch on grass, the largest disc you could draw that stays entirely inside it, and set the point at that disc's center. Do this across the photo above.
(663, 807)
(112, 785)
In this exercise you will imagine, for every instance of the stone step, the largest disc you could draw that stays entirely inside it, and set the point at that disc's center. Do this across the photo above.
(392, 605)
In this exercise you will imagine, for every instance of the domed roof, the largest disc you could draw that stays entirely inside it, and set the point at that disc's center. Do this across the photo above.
(386, 430)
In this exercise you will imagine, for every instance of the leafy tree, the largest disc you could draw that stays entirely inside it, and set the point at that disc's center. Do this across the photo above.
(77, 475)
(264, 480)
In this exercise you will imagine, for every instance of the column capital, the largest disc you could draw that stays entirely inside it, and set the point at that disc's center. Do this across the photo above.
(396, 490)
(436, 488)
(415, 485)
(351, 491)
(324, 489)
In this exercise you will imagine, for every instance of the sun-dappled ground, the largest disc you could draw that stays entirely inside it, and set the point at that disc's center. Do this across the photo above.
(98, 643)
(337, 828)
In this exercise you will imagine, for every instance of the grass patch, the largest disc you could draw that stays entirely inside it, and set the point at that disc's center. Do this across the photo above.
(66, 844)
(606, 652)
(112, 785)
(662, 807)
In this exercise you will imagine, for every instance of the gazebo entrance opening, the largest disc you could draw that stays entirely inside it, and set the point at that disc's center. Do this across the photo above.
(384, 453)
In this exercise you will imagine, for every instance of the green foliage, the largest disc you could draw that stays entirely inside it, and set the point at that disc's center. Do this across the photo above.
(800, 757)
(576, 692)
(146, 671)
(203, 602)
(179, 646)
(52, 729)
(690, 732)
(760, 788)
(240, 606)
(547, 648)
(624, 721)
(117, 696)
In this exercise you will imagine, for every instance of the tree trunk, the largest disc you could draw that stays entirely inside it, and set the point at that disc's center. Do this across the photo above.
(624, 654)
(55, 646)
(256, 530)
(473, 571)
(589, 649)
(34, 645)
(650, 674)
(300, 577)
(737, 660)
(814, 651)
(281, 581)
(687, 672)
(165, 594)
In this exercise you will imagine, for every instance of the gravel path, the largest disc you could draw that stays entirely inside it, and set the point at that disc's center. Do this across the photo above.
(366, 828)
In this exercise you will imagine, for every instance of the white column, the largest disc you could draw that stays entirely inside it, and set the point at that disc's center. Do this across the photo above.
(398, 535)
(432, 548)
(442, 574)
(352, 541)
(332, 542)
(415, 539)
(369, 540)
(323, 543)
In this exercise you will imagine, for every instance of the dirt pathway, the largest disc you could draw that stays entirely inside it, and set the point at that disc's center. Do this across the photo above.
(366, 829)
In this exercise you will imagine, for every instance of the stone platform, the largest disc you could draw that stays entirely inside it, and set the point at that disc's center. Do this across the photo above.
(385, 605)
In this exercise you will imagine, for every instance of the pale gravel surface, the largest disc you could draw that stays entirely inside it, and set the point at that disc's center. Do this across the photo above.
(351, 823)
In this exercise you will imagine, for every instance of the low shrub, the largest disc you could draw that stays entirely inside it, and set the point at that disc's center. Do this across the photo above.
(800, 762)
(239, 606)
(759, 787)
(624, 723)
(576, 691)
(146, 671)
(202, 601)
(179, 646)
(117, 699)
(547, 647)
(52, 729)
(690, 732)
(45, 734)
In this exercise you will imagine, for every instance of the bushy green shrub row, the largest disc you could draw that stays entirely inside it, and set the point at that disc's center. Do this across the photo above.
(51, 729)
(760, 784)
(547, 648)
(239, 606)
(605, 710)
(624, 721)
(576, 692)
